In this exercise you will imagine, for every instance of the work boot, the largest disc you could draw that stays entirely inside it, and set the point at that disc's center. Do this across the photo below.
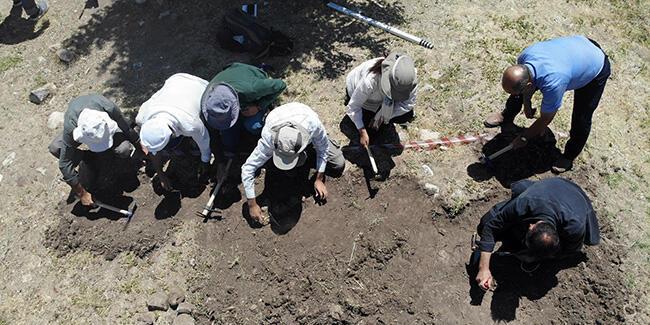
(42, 10)
(493, 120)
(562, 165)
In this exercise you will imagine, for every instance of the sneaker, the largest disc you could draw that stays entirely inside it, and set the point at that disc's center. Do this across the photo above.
(42, 10)
(562, 165)
(493, 120)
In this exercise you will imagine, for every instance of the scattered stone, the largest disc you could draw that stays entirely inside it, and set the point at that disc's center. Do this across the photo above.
(164, 14)
(429, 135)
(431, 189)
(252, 307)
(336, 311)
(41, 59)
(157, 301)
(184, 319)
(436, 74)
(426, 170)
(54, 47)
(9, 160)
(141, 23)
(55, 120)
(65, 55)
(147, 318)
(185, 308)
(176, 296)
(41, 170)
(39, 95)
(426, 88)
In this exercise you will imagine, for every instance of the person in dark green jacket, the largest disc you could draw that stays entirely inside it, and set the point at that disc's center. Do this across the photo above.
(237, 99)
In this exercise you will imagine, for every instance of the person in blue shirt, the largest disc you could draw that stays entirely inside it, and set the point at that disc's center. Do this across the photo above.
(554, 67)
(545, 219)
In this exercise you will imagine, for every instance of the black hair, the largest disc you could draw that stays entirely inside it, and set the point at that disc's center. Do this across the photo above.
(376, 68)
(543, 240)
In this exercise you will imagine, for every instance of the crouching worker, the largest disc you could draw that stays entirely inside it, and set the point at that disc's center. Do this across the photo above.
(168, 116)
(381, 91)
(293, 135)
(543, 220)
(237, 100)
(95, 121)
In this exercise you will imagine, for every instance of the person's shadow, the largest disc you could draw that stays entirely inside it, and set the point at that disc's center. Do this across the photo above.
(384, 145)
(282, 197)
(15, 29)
(513, 282)
(535, 158)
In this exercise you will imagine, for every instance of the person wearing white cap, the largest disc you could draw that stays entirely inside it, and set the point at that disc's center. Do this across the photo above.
(95, 121)
(171, 113)
(381, 91)
(292, 133)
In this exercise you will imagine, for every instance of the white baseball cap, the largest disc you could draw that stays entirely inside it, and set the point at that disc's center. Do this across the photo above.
(95, 129)
(155, 134)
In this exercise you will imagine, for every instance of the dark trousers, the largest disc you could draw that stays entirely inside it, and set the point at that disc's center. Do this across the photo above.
(585, 102)
(29, 6)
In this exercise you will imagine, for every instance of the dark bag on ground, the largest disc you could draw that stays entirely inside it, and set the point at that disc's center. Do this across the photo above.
(241, 33)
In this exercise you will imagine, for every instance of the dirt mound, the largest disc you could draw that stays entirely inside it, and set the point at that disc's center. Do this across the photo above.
(387, 260)
(107, 233)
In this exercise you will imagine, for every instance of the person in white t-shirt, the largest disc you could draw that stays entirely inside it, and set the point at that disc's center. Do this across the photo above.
(170, 114)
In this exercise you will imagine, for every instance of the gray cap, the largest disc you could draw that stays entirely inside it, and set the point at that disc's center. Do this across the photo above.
(398, 77)
(289, 141)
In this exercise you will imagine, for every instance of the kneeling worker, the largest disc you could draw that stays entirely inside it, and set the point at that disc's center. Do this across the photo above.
(95, 121)
(172, 113)
(292, 133)
(543, 220)
(237, 99)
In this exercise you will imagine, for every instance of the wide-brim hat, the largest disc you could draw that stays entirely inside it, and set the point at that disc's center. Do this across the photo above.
(398, 76)
(289, 140)
(220, 105)
(95, 129)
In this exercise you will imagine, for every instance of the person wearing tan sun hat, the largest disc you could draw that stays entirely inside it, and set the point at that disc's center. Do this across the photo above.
(96, 122)
(381, 91)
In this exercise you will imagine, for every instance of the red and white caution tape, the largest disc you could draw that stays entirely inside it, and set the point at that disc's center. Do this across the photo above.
(431, 144)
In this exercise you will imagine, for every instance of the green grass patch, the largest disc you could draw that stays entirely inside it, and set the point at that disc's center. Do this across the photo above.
(9, 62)
(613, 180)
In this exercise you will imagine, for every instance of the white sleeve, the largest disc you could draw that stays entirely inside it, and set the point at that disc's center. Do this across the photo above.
(262, 153)
(321, 143)
(405, 106)
(202, 138)
(355, 106)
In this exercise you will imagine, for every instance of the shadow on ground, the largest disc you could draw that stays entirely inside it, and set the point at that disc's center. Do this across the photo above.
(149, 42)
(16, 28)
(354, 153)
(536, 158)
(515, 283)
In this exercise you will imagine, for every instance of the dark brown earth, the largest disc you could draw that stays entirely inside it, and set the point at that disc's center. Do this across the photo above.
(392, 259)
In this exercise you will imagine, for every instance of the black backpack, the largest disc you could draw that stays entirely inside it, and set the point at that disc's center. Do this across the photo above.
(241, 33)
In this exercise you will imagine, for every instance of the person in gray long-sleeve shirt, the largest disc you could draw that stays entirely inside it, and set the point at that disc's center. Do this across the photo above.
(543, 219)
(97, 122)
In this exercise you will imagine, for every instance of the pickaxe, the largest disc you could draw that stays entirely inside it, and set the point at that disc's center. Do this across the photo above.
(487, 160)
(208, 207)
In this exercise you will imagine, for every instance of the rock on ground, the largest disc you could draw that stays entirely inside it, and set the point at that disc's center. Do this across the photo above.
(157, 301)
(185, 308)
(147, 318)
(184, 319)
(176, 296)
(55, 120)
(38, 96)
